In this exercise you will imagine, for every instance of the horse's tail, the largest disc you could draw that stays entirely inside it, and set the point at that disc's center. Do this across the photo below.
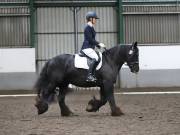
(42, 81)
(44, 96)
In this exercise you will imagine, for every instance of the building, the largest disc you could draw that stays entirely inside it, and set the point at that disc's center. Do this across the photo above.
(33, 31)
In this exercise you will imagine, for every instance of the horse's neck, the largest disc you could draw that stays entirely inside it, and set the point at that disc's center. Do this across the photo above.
(117, 55)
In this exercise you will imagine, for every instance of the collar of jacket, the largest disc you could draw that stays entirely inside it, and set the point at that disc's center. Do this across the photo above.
(90, 24)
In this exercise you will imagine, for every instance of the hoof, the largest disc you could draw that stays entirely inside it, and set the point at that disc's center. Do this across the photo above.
(90, 108)
(93, 105)
(41, 106)
(71, 115)
(117, 112)
(66, 112)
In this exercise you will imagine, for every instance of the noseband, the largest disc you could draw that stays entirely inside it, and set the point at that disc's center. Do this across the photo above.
(130, 64)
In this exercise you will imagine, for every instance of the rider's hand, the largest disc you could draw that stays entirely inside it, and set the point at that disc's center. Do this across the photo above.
(102, 45)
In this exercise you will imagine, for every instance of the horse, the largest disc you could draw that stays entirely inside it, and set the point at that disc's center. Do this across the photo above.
(60, 71)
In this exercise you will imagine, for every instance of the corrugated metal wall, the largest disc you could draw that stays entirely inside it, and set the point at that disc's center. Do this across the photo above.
(148, 0)
(55, 33)
(55, 30)
(14, 26)
(151, 23)
(149, 9)
(152, 29)
(15, 1)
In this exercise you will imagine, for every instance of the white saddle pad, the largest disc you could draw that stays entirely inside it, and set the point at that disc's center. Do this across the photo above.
(81, 62)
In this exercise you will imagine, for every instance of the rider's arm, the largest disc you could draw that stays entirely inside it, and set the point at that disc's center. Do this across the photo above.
(89, 37)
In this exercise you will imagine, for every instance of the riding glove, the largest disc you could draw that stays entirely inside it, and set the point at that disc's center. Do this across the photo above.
(102, 45)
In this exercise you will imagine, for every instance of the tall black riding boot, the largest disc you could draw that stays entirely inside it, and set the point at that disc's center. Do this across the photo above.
(91, 77)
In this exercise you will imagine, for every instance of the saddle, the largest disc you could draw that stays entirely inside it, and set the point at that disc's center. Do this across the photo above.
(83, 61)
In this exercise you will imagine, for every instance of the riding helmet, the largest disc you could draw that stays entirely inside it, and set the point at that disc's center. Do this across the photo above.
(91, 14)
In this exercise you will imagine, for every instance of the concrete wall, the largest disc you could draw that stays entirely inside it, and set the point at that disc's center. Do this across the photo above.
(17, 60)
(17, 81)
(150, 78)
(17, 69)
(159, 67)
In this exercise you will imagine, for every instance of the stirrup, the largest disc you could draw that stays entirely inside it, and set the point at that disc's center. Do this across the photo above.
(91, 78)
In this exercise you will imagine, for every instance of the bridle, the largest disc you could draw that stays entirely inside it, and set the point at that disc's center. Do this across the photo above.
(130, 64)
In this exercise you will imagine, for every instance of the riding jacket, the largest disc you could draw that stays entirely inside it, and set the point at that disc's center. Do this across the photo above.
(89, 37)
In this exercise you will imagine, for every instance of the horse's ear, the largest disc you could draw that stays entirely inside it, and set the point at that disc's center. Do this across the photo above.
(135, 44)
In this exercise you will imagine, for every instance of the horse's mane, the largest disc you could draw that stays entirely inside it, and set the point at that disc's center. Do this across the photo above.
(114, 49)
(109, 51)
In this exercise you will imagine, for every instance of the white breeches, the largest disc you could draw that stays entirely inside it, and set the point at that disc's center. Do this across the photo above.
(91, 53)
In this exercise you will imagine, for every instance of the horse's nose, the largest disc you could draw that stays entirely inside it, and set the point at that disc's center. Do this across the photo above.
(136, 69)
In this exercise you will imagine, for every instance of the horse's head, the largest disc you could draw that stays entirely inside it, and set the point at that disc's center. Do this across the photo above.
(133, 58)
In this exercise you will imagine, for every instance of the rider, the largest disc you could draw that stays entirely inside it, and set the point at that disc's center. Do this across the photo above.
(90, 43)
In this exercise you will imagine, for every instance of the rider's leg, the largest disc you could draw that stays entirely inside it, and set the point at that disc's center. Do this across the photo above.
(91, 73)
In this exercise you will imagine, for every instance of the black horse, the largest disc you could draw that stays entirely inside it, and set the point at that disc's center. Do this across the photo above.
(60, 72)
